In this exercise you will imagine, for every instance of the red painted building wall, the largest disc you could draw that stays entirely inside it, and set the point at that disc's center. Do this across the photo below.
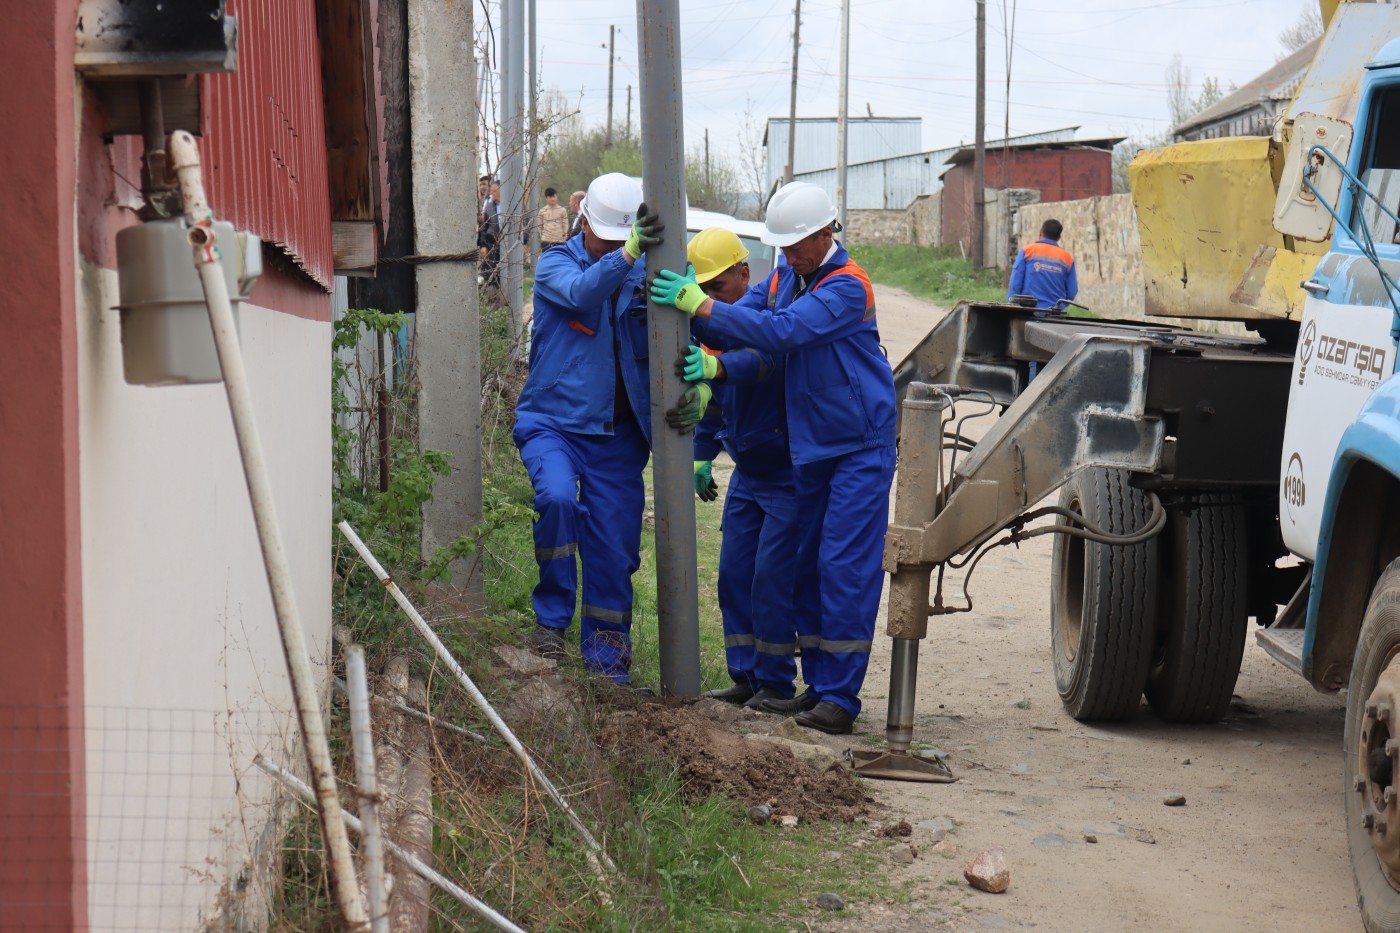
(1058, 174)
(43, 870)
(264, 144)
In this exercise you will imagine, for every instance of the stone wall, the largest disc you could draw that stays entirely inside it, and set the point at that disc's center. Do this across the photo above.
(926, 219)
(873, 226)
(1102, 235)
(1001, 206)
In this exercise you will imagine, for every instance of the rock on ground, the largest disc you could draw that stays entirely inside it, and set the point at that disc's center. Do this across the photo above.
(988, 871)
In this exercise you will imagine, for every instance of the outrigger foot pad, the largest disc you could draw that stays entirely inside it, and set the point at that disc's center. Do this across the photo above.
(898, 766)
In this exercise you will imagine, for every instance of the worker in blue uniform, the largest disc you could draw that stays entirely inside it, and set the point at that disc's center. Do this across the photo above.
(761, 526)
(1044, 270)
(583, 424)
(840, 404)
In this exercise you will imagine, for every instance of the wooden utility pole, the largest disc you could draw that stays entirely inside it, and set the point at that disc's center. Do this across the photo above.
(979, 159)
(792, 100)
(612, 56)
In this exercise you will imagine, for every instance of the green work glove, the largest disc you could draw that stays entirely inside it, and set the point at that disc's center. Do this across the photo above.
(685, 416)
(705, 486)
(697, 365)
(678, 291)
(645, 233)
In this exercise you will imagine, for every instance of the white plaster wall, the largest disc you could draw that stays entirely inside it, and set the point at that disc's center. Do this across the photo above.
(185, 678)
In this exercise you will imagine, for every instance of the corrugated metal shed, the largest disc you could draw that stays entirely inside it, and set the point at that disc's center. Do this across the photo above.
(264, 143)
(892, 184)
(867, 139)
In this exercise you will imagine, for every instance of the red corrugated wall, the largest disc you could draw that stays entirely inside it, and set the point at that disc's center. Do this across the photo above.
(264, 143)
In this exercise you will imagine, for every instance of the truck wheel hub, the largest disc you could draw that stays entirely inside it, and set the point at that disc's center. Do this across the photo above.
(1378, 770)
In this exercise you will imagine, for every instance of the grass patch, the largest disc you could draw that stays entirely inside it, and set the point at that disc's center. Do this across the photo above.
(938, 274)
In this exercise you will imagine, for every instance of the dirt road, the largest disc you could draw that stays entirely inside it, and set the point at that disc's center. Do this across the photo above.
(1258, 844)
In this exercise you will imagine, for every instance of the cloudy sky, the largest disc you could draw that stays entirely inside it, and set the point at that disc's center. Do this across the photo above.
(1099, 64)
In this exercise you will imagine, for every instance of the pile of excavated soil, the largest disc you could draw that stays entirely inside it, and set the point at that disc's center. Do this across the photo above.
(713, 759)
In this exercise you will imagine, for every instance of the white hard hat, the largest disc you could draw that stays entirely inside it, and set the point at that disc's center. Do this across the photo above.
(796, 211)
(611, 205)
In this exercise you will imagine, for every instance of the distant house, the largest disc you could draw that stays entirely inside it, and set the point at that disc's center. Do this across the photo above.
(1253, 109)
(814, 145)
(1058, 171)
(893, 182)
(142, 667)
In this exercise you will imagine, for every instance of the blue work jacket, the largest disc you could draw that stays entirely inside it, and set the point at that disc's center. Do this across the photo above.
(838, 386)
(585, 312)
(1044, 271)
(752, 425)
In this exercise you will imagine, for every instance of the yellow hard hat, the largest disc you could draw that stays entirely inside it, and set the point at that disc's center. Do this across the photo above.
(713, 250)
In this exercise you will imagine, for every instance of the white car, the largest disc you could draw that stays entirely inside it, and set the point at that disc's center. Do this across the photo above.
(760, 254)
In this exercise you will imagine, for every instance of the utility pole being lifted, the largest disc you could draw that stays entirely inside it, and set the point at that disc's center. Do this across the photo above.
(668, 338)
(979, 158)
(792, 101)
(612, 56)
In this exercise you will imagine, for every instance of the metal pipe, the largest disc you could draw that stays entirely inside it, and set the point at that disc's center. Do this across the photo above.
(422, 870)
(917, 487)
(156, 190)
(432, 721)
(595, 851)
(362, 735)
(904, 680)
(279, 576)
(513, 167)
(668, 334)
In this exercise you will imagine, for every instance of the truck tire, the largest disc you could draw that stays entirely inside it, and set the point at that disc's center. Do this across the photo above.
(1366, 769)
(1204, 617)
(1103, 601)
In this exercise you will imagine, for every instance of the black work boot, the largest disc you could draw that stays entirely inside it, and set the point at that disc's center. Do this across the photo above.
(763, 695)
(736, 694)
(827, 717)
(547, 642)
(800, 703)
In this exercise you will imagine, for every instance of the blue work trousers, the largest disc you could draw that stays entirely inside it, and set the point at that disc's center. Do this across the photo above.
(844, 503)
(758, 579)
(589, 497)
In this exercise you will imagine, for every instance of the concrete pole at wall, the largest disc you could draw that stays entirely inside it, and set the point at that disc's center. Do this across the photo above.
(532, 128)
(448, 336)
(513, 145)
(668, 331)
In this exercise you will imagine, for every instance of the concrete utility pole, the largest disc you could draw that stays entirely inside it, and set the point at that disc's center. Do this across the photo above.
(668, 335)
(979, 158)
(512, 245)
(612, 57)
(707, 162)
(445, 161)
(629, 112)
(532, 171)
(842, 114)
(792, 99)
